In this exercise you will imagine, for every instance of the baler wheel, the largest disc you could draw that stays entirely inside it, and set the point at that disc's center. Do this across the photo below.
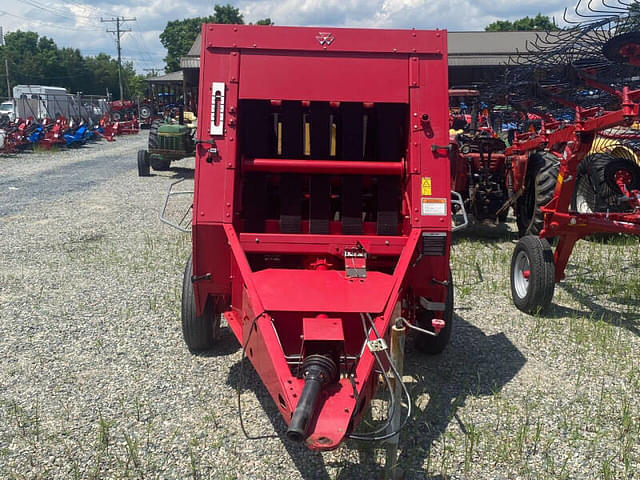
(200, 333)
(143, 163)
(429, 344)
(540, 183)
(532, 274)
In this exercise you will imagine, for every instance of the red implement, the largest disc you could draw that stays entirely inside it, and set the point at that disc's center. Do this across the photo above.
(322, 199)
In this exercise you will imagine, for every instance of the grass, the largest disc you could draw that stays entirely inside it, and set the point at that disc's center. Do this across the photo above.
(570, 410)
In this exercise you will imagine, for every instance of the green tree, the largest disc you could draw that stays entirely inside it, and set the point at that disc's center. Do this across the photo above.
(179, 35)
(265, 21)
(539, 22)
(227, 14)
(37, 60)
(104, 74)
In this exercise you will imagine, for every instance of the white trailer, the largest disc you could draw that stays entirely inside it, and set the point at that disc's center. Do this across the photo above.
(40, 101)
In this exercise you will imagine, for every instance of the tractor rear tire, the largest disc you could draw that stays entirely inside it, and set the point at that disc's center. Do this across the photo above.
(532, 274)
(145, 112)
(116, 116)
(143, 163)
(540, 183)
(154, 141)
(200, 332)
(596, 188)
(602, 174)
(429, 344)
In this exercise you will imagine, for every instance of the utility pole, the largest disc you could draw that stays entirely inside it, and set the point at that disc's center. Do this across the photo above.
(6, 64)
(118, 33)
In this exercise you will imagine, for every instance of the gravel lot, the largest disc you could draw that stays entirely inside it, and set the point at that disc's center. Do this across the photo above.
(95, 381)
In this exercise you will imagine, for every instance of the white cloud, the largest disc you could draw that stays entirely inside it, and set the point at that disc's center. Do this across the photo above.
(77, 23)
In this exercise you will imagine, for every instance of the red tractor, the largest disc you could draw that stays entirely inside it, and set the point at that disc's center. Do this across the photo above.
(478, 168)
(321, 213)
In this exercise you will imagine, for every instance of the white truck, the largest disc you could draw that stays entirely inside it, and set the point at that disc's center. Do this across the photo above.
(8, 109)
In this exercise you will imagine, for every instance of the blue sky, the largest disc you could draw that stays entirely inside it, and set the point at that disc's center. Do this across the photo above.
(77, 24)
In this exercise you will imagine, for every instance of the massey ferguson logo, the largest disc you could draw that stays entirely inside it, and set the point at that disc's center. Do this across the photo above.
(325, 38)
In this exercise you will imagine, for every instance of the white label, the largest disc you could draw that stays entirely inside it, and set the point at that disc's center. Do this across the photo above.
(434, 206)
(217, 108)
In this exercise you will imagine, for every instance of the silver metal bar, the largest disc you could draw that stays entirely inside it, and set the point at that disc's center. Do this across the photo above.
(457, 200)
(398, 335)
(171, 193)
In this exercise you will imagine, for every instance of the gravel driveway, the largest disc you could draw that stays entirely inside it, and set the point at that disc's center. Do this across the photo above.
(95, 381)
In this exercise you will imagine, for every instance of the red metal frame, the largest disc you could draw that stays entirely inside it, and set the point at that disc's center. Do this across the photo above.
(572, 143)
(313, 65)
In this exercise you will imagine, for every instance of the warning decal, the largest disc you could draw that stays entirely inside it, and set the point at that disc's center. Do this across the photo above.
(434, 206)
(426, 186)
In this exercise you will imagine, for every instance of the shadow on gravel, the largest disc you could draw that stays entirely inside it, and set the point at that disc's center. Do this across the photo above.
(181, 172)
(227, 344)
(310, 464)
(624, 319)
(486, 233)
(474, 364)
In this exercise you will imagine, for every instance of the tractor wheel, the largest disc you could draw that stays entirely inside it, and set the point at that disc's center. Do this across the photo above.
(596, 188)
(160, 164)
(200, 333)
(603, 172)
(429, 344)
(145, 112)
(532, 274)
(540, 183)
(585, 195)
(154, 141)
(143, 163)
(116, 116)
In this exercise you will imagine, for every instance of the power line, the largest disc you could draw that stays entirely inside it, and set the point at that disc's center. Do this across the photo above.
(48, 24)
(118, 32)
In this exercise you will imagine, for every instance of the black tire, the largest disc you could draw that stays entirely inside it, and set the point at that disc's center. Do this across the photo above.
(200, 333)
(596, 189)
(143, 163)
(602, 169)
(585, 195)
(116, 116)
(154, 141)
(145, 112)
(532, 292)
(429, 344)
(160, 164)
(540, 183)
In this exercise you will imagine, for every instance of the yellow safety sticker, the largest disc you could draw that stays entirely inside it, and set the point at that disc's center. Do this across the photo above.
(426, 186)
(560, 179)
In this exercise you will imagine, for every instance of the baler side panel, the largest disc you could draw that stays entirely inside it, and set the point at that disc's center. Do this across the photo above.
(214, 172)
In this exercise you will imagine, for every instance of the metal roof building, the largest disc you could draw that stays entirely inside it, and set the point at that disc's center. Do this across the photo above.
(473, 56)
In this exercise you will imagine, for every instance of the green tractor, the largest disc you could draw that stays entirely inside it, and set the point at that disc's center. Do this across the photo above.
(167, 142)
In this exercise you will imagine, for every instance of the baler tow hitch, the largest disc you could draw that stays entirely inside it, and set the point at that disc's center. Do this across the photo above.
(318, 372)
